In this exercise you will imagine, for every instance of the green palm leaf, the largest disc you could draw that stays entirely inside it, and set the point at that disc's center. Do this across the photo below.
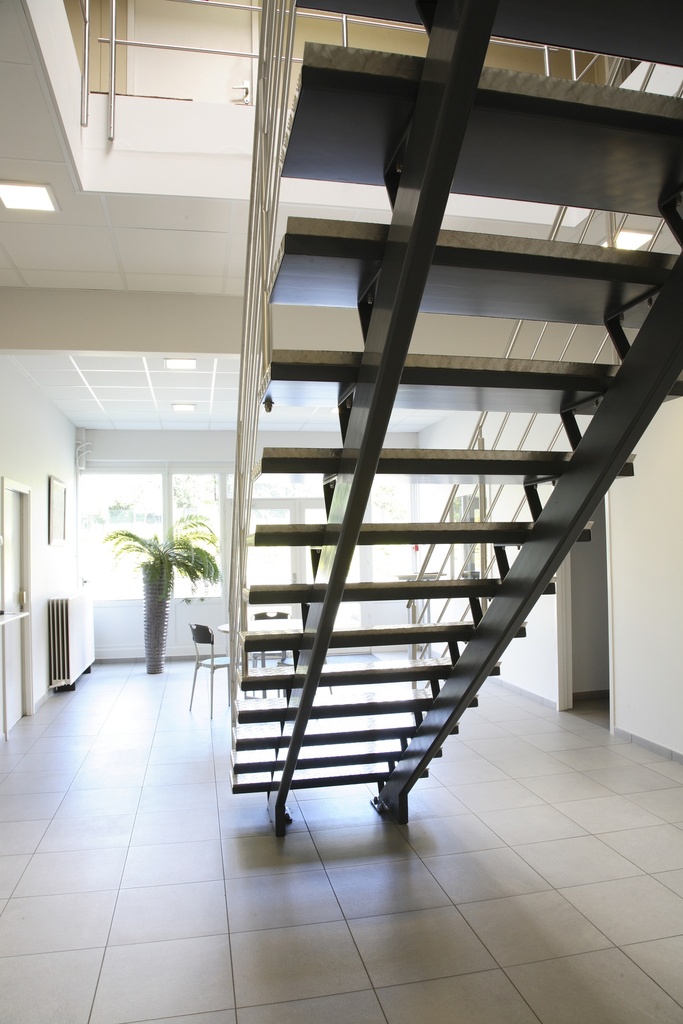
(189, 550)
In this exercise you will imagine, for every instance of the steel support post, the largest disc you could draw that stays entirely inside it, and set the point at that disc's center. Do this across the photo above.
(650, 369)
(457, 47)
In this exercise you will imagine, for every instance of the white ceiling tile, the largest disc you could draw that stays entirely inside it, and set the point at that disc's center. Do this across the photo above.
(116, 378)
(48, 246)
(109, 361)
(229, 364)
(78, 410)
(182, 213)
(75, 208)
(181, 378)
(171, 252)
(237, 257)
(194, 284)
(106, 394)
(233, 286)
(73, 279)
(27, 128)
(181, 394)
(56, 378)
(35, 361)
(139, 425)
(115, 407)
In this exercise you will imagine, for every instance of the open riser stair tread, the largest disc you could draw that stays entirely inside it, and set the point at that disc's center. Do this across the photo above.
(391, 590)
(325, 732)
(328, 263)
(296, 378)
(361, 702)
(305, 535)
(429, 465)
(362, 672)
(372, 636)
(312, 778)
(453, 383)
(565, 143)
(380, 752)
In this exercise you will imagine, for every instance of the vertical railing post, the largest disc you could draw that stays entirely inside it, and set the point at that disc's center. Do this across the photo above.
(85, 77)
(112, 70)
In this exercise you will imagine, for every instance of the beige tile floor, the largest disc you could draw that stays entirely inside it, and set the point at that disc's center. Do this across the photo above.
(540, 877)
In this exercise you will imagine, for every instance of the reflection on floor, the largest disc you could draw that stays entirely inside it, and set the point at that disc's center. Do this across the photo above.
(540, 877)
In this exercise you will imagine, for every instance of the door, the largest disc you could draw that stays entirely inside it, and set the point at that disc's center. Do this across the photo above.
(16, 661)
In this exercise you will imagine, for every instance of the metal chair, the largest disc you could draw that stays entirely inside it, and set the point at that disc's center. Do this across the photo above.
(202, 636)
(268, 617)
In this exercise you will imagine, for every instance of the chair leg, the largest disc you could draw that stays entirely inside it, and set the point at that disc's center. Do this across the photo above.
(194, 682)
(211, 689)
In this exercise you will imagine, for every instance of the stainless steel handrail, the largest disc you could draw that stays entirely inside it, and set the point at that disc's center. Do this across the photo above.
(344, 21)
(275, 51)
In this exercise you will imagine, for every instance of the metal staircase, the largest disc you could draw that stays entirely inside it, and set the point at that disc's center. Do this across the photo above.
(424, 128)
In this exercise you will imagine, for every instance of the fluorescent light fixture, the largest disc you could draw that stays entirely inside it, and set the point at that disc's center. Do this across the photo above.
(183, 407)
(180, 364)
(631, 239)
(26, 197)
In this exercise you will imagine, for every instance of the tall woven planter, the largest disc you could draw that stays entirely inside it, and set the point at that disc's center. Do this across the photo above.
(155, 608)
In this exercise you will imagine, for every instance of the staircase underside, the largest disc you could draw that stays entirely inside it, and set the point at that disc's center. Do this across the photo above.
(423, 128)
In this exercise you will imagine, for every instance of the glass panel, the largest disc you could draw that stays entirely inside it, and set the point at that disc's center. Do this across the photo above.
(197, 495)
(109, 502)
(298, 485)
(391, 503)
(269, 564)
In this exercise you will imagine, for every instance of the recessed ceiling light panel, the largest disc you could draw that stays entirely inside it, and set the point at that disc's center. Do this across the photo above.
(16, 196)
(183, 407)
(180, 364)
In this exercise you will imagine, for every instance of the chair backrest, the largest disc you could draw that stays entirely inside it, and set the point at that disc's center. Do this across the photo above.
(201, 634)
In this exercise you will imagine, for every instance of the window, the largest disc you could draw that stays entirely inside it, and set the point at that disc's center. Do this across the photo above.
(116, 501)
(197, 494)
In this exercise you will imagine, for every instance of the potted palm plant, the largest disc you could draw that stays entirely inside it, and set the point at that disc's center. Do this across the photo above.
(189, 550)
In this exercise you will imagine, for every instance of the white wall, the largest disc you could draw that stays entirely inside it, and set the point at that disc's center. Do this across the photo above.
(589, 610)
(646, 566)
(37, 442)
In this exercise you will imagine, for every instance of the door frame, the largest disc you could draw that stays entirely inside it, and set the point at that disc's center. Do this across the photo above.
(24, 492)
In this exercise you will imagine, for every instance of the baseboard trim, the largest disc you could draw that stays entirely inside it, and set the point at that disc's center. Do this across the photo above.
(656, 748)
(520, 691)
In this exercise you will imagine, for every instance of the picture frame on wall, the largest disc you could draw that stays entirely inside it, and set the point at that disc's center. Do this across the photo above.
(57, 511)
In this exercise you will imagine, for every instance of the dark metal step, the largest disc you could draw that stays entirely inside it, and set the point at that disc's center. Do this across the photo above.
(325, 732)
(425, 464)
(528, 138)
(245, 762)
(312, 778)
(374, 636)
(329, 263)
(343, 705)
(394, 590)
(305, 535)
(304, 378)
(429, 465)
(358, 673)
(621, 27)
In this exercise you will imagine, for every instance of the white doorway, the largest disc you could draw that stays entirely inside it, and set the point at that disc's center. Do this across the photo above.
(15, 623)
